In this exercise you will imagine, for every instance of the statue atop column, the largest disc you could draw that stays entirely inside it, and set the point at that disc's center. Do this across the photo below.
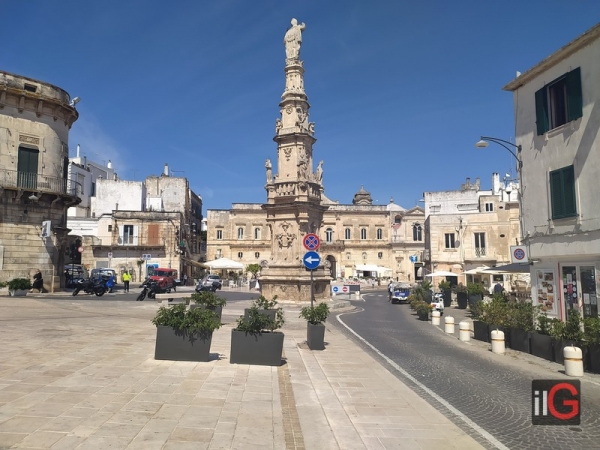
(269, 171)
(293, 40)
(319, 172)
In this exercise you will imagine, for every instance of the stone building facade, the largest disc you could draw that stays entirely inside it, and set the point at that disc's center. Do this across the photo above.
(35, 191)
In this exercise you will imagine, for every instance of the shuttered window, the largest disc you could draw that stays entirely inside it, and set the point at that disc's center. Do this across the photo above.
(559, 102)
(153, 237)
(562, 193)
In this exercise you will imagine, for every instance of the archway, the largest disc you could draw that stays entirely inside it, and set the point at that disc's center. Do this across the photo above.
(332, 266)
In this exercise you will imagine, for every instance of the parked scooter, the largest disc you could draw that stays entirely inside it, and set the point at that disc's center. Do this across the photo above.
(202, 288)
(438, 302)
(150, 288)
(90, 286)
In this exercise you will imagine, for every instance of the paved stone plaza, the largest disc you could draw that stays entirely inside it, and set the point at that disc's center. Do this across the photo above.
(80, 374)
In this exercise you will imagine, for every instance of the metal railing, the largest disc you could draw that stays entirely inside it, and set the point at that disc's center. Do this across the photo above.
(480, 251)
(39, 183)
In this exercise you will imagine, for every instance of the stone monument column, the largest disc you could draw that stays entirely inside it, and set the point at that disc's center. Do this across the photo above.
(294, 194)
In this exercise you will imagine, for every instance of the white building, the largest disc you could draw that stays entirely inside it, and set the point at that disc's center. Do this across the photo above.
(557, 125)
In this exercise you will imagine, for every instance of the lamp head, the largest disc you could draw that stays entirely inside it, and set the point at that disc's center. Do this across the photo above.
(481, 144)
(74, 101)
(33, 198)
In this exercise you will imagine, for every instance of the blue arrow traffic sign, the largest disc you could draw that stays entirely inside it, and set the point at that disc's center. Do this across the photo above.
(311, 260)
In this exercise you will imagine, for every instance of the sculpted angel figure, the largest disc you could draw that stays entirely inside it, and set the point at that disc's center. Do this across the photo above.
(293, 40)
(319, 172)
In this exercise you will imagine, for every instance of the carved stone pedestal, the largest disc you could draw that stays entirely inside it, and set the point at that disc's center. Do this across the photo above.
(292, 283)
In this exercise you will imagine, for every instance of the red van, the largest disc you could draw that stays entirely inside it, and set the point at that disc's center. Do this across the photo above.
(164, 277)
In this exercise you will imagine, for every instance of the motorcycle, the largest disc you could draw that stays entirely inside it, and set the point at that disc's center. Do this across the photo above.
(438, 302)
(203, 288)
(90, 286)
(150, 288)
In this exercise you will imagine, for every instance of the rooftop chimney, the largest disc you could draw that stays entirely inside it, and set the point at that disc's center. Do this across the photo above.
(109, 165)
(166, 171)
(78, 150)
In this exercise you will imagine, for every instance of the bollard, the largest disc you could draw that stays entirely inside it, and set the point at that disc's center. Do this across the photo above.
(357, 293)
(573, 361)
(464, 333)
(449, 325)
(435, 318)
(498, 342)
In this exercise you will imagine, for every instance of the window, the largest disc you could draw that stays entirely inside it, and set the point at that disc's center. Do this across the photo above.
(329, 235)
(380, 255)
(379, 233)
(435, 208)
(397, 220)
(27, 168)
(219, 253)
(489, 207)
(219, 234)
(364, 255)
(256, 255)
(348, 255)
(128, 234)
(450, 240)
(417, 232)
(480, 244)
(347, 234)
(562, 193)
(240, 233)
(153, 234)
(93, 189)
(559, 102)
(257, 233)
(110, 228)
(363, 233)
(240, 255)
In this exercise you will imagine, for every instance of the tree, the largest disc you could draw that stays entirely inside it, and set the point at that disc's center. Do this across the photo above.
(253, 269)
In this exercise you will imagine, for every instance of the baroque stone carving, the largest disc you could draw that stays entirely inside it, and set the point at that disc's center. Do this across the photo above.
(285, 239)
(278, 125)
(293, 39)
(269, 171)
(319, 172)
(29, 139)
(288, 153)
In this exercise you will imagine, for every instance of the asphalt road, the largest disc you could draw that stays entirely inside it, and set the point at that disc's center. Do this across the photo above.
(487, 395)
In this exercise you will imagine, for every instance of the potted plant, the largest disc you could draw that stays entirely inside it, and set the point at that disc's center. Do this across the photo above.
(541, 341)
(208, 300)
(520, 322)
(446, 287)
(18, 287)
(423, 309)
(184, 335)
(567, 333)
(315, 317)
(428, 293)
(496, 315)
(268, 307)
(591, 326)
(481, 329)
(254, 339)
(476, 291)
(462, 296)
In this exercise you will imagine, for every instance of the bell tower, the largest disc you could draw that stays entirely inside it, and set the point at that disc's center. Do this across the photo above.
(294, 193)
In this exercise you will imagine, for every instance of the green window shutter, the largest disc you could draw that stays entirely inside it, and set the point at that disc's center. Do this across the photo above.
(541, 111)
(568, 179)
(556, 194)
(574, 95)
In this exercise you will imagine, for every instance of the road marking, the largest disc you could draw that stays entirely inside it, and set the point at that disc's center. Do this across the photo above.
(491, 439)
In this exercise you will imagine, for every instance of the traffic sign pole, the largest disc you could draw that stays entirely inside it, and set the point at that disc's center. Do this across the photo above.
(312, 291)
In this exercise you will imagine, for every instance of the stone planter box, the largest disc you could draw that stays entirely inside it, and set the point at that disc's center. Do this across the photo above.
(481, 331)
(541, 346)
(447, 298)
(520, 340)
(261, 349)
(315, 336)
(474, 298)
(462, 299)
(177, 345)
(18, 293)
(594, 358)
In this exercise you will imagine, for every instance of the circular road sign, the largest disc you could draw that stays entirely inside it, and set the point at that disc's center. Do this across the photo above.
(345, 289)
(311, 241)
(80, 249)
(311, 260)
(519, 254)
(335, 289)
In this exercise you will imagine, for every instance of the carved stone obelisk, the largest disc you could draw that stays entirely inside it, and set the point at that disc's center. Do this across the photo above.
(293, 194)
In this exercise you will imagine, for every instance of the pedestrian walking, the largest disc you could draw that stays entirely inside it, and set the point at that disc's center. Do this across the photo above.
(185, 278)
(126, 277)
(390, 290)
(38, 281)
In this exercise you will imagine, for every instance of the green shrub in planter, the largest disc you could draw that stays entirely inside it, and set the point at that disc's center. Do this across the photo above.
(475, 289)
(262, 302)
(257, 322)
(191, 321)
(315, 315)
(3, 284)
(591, 335)
(566, 333)
(444, 285)
(476, 310)
(207, 298)
(520, 323)
(23, 284)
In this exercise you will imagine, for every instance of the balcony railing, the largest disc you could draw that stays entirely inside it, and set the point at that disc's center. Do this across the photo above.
(480, 251)
(39, 183)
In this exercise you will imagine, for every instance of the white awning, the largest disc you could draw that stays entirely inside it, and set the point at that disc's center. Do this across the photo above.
(371, 268)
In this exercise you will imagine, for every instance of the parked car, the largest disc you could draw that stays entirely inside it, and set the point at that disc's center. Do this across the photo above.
(74, 273)
(165, 277)
(212, 280)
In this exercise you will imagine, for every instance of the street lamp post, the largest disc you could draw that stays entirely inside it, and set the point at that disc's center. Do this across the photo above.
(483, 143)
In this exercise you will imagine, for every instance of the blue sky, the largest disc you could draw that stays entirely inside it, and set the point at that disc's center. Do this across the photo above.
(400, 91)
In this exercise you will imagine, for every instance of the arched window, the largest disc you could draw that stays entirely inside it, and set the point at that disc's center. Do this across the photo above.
(240, 233)
(347, 234)
(240, 255)
(329, 235)
(417, 232)
(379, 233)
(397, 219)
(256, 255)
(363, 233)
(257, 233)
